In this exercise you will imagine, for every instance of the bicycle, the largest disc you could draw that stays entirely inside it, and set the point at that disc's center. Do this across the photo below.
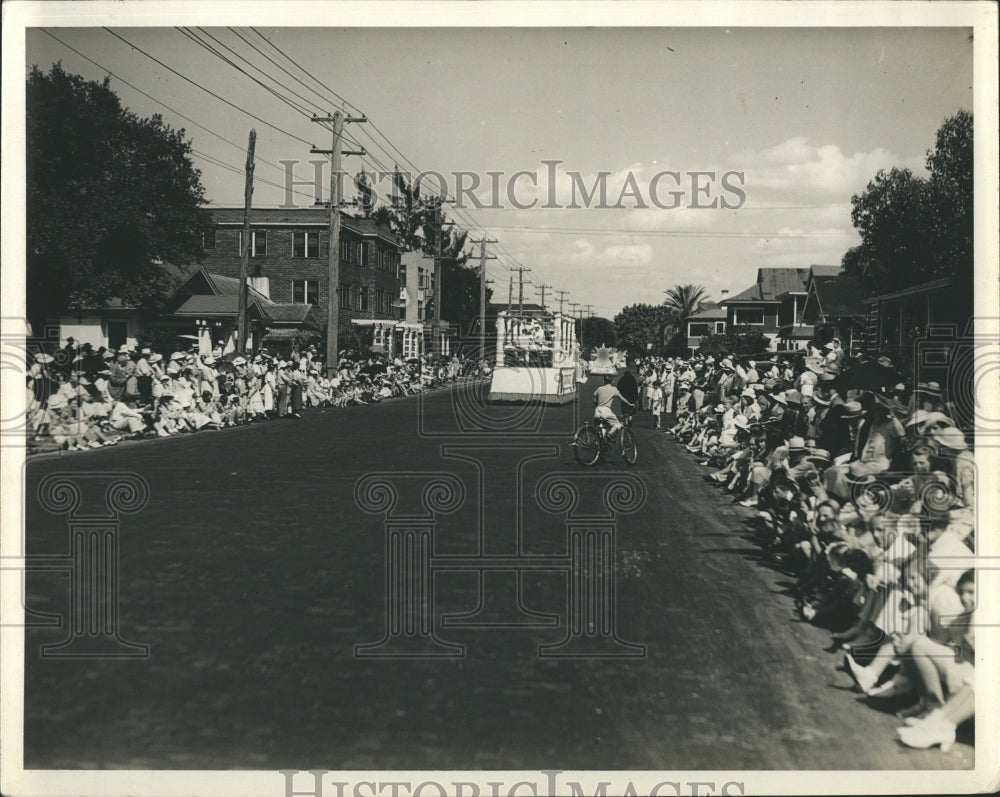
(592, 441)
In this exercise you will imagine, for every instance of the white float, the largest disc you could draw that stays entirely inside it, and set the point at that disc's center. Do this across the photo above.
(537, 360)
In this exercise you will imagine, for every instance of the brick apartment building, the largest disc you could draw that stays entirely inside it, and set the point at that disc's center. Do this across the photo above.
(288, 260)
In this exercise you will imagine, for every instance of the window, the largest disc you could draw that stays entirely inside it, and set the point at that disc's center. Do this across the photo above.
(258, 243)
(343, 250)
(363, 298)
(344, 294)
(305, 244)
(365, 253)
(208, 239)
(720, 327)
(749, 315)
(697, 329)
(305, 291)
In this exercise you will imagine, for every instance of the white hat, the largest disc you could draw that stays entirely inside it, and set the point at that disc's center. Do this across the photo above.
(950, 437)
(155, 358)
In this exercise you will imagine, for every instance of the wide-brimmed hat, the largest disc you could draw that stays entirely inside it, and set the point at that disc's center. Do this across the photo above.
(793, 397)
(853, 409)
(928, 388)
(796, 444)
(240, 361)
(818, 399)
(816, 368)
(165, 377)
(155, 358)
(108, 354)
(935, 418)
(780, 398)
(818, 455)
(720, 408)
(177, 355)
(950, 437)
(146, 350)
(209, 360)
(884, 361)
(741, 422)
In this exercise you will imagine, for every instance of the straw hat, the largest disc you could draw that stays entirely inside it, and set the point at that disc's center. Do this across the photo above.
(950, 437)
(853, 409)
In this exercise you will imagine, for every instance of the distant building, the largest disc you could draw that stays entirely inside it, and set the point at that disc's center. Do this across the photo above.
(711, 320)
(205, 307)
(288, 261)
(760, 305)
(834, 308)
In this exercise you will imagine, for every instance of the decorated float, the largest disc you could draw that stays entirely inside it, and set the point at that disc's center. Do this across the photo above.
(538, 359)
(604, 361)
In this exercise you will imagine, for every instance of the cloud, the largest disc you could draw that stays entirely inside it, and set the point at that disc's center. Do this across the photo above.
(798, 172)
(628, 254)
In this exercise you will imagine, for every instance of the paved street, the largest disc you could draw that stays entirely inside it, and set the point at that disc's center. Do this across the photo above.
(252, 574)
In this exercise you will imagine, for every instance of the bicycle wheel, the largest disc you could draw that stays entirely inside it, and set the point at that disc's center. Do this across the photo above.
(629, 449)
(586, 445)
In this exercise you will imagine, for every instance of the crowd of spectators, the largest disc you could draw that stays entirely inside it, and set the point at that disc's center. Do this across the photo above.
(82, 397)
(864, 489)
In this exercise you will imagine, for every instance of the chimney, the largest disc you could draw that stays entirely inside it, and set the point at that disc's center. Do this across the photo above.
(725, 292)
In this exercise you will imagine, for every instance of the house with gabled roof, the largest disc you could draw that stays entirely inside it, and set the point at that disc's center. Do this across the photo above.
(834, 308)
(206, 305)
(710, 320)
(760, 305)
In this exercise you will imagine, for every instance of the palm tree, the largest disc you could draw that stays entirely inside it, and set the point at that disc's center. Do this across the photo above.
(684, 301)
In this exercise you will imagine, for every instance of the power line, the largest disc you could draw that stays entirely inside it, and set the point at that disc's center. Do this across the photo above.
(160, 102)
(306, 110)
(666, 233)
(207, 91)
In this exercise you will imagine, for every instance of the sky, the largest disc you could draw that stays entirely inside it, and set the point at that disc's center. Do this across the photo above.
(806, 116)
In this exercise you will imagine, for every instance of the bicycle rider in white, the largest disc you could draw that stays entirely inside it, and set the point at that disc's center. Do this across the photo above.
(603, 398)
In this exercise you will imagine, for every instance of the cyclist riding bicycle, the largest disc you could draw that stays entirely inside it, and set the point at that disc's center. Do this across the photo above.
(603, 398)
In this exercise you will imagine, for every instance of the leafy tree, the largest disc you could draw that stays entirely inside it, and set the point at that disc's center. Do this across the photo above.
(638, 325)
(598, 331)
(683, 301)
(735, 340)
(109, 195)
(913, 229)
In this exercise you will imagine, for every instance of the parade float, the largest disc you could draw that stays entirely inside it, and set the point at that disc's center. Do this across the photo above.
(537, 360)
(604, 361)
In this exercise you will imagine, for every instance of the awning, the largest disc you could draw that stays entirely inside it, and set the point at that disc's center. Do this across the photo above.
(282, 334)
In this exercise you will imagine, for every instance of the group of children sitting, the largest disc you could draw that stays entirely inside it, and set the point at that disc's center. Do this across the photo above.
(97, 398)
(868, 498)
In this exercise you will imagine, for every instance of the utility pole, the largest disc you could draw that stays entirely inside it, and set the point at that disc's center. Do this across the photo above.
(438, 287)
(333, 261)
(562, 300)
(510, 293)
(520, 289)
(541, 288)
(574, 305)
(483, 257)
(241, 318)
